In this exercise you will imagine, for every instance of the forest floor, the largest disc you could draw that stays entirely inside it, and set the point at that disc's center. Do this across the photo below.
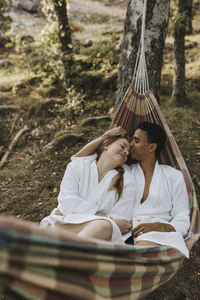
(30, 179)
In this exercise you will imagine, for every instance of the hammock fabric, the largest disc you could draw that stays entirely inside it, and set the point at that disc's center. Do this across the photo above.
(38, 263)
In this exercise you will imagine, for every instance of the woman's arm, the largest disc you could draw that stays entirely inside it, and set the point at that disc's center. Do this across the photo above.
(91, 147)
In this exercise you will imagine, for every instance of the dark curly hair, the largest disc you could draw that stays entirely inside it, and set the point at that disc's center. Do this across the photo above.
(155, 134)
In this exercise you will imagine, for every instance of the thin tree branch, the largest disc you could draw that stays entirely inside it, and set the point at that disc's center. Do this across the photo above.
(12, 145)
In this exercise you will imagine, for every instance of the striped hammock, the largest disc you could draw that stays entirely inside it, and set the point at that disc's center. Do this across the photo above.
(38, 264)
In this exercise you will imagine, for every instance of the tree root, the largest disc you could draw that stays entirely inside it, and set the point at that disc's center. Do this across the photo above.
(12, 145)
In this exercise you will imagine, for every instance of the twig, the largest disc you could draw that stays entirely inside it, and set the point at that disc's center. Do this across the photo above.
(9, 107)
(14, 122)
(12, 145)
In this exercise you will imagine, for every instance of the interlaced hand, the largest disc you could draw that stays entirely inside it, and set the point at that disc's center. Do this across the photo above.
(147, 227)
(123, 225)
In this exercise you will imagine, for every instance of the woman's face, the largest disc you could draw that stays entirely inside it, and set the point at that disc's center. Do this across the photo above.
(119, 150)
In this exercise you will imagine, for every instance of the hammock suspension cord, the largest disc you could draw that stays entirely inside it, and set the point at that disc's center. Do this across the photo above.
(140, 76)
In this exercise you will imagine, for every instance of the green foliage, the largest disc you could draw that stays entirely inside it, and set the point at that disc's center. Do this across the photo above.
(179, 22)
(176, 20)
(75, 105)
(5, 20)
(102, 55)
(173, 12)
(42, 57)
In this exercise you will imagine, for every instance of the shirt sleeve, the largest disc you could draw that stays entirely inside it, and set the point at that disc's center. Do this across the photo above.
(123, 209)
(91, 158)
(69, 199)
(180, 206)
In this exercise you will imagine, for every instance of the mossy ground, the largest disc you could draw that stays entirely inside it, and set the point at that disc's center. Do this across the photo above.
(29, 182)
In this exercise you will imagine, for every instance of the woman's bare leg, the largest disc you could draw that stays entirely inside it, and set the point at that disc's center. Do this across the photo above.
(98, 229)
(75, 228)
(146, 243)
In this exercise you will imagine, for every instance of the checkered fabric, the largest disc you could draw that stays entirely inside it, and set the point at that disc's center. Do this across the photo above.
(37, 263)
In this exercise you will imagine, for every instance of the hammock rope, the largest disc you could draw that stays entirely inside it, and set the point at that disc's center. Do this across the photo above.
(140, 75)
(42, 264)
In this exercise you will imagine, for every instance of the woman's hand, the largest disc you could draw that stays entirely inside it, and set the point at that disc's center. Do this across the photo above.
(92, 146)
(147, 227)
(123, 225)
(57, 212)
(115, 132)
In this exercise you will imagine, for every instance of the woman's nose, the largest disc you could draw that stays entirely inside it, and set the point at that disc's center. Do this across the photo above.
(126, 151)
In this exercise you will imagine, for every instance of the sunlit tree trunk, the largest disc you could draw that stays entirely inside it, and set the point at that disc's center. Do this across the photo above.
(178, 92)
(156, 28)
(64, 36)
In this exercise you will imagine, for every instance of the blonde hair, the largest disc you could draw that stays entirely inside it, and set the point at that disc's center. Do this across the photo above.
(117, 183)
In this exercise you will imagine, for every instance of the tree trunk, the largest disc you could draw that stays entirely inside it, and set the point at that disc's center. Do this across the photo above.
(178, 92)
(189, 17)
(157, 15)
(64, 36)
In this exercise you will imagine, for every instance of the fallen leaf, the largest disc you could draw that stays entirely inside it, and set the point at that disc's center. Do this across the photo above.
(198, 122)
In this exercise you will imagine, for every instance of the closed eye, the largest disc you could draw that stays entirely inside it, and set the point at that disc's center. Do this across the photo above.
(124, 146)
(136, 140)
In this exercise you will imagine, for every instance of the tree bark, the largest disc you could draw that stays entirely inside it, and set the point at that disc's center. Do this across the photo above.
(64, 36)
(178, 92)
(157, 15)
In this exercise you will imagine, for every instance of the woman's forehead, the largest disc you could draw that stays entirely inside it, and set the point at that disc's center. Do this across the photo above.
(124, 140)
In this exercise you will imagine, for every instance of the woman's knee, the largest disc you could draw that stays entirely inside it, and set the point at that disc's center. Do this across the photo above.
(106, 225)
(106, 228)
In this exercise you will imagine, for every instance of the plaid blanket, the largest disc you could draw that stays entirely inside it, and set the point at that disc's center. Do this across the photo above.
(38, 263)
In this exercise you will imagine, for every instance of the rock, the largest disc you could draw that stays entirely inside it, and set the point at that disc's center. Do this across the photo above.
(31, 6)
(27, 38)
(87, 43)
(94, 121)
(5, 63)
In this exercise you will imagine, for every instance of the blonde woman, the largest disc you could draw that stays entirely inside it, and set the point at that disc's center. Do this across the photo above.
(96, 197)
